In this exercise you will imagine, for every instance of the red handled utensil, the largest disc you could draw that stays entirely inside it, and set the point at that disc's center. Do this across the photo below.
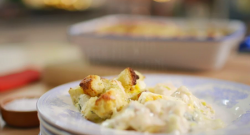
(19, 79)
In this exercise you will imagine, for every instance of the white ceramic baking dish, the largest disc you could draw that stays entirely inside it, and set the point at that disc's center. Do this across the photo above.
(206, 54)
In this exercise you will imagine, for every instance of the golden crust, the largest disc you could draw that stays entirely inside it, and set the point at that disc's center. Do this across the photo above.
(141, 77)
(133, 76)
(90, 85)
(130, 81)
(109, 96)
(128, 78)
(105, 97)
(109, 102)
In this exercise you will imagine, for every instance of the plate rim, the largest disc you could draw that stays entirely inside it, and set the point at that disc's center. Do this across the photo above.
(44, 124)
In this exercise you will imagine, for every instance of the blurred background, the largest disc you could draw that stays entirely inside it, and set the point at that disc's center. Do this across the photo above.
(36, 20)
(36, 53)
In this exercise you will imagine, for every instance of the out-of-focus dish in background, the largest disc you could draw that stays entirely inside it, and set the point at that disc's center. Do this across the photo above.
(177, 45)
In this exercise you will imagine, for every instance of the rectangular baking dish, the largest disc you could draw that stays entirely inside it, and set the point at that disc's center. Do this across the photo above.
(194, 54)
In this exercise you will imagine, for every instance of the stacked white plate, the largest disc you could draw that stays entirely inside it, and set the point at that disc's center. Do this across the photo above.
(230, 100)
(48, 129)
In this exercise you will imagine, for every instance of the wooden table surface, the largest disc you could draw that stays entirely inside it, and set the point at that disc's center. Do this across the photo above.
(237, 69)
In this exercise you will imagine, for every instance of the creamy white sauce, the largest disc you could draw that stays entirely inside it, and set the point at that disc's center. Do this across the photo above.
(181, 113)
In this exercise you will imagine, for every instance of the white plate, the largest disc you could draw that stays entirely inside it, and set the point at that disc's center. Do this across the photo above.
(49, 129)
(44, 131)
(230, 100)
